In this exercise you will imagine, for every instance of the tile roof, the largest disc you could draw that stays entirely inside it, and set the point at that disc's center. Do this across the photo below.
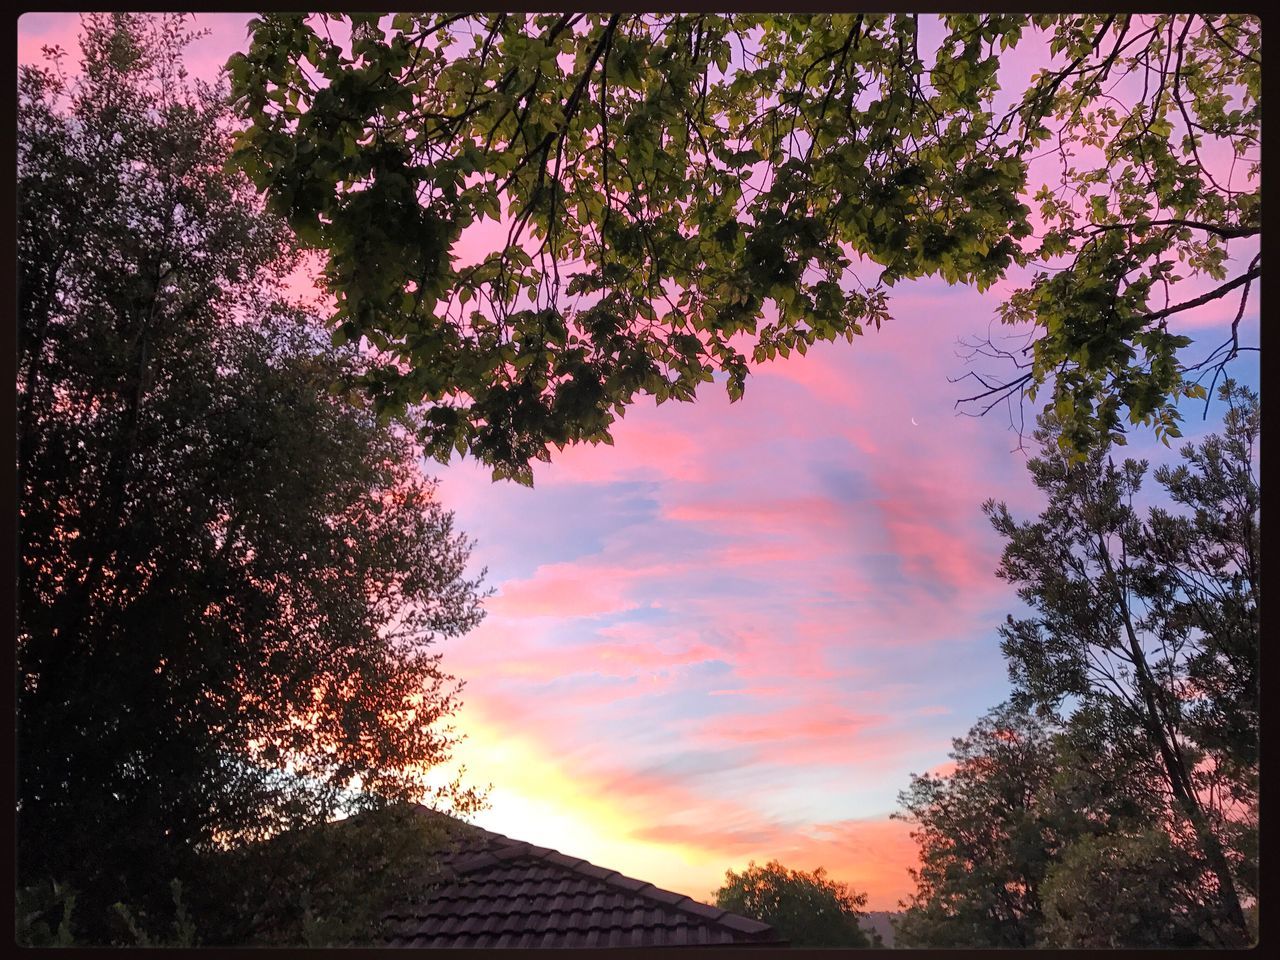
(500, 892)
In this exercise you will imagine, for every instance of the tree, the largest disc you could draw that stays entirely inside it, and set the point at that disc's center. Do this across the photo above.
(987, 833)
(1027, 841)
(681, 195)
(1113, 802)
(230, 579)
(326, 884)
(807, 909)
(1211, 551)
(1149, 627)
(1129, 891)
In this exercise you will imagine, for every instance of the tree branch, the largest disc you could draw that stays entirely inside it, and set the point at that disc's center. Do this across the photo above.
(1245, 278)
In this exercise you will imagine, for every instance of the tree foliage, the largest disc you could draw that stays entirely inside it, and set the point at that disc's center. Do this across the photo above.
(1152, 623)
(536, 219)
(1155, 129)
(327, 884)
(984, 833)
(807, 909)
(1136, 890)
(1050, 835)
(1128, 816)
(230, 580)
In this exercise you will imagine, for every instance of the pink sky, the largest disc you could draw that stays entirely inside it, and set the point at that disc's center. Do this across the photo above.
(735, 633)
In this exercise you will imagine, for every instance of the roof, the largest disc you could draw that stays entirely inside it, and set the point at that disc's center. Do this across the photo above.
(500, 892)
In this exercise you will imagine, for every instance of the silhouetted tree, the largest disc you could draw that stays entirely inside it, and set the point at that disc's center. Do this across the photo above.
(986, 834)
(807, 909)
(230, 579)
(1048, 836)
(1149, 625)
(1130, 890)
(1114, 802)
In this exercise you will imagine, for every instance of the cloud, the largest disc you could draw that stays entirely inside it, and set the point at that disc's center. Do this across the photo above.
(620, 658)
(644, 447)
(821, 376)
(801, 722)
(566, 590)
(872, 855)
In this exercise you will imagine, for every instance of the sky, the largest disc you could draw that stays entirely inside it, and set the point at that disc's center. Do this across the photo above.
(738, 631)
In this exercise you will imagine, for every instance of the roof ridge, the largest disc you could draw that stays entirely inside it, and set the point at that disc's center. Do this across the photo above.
(511, 849)
(680, 902)
(424, 810)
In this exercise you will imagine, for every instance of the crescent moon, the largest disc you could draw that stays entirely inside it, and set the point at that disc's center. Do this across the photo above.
(913, 422)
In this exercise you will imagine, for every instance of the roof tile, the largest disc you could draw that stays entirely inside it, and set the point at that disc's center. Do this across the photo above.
(702, 910)
(561, 860)
(478, 862)
(744, 924)
(664, 896)
(506, 893)
(627, 883)
(591, 870)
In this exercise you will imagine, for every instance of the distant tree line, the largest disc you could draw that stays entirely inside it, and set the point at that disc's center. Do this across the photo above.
(1113, 802)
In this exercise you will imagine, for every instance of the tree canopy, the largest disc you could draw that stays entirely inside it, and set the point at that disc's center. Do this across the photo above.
(536, 219)
(230, 580)
(1150, 623)
(1124, 810)
(807, 909)
(1050, 835)
(983, 834)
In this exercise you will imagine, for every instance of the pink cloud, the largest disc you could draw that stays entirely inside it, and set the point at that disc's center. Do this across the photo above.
(644, 447)
(780, 515)
(826, 380)
(575, 590)
(817, 732)
(802, 722)
(609, 658)
(759, 652)
(933, 551)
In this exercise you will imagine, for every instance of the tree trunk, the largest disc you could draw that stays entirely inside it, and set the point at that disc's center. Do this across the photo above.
(1175, 767)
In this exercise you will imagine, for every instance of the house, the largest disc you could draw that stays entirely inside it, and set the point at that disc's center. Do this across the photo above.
(499, 892)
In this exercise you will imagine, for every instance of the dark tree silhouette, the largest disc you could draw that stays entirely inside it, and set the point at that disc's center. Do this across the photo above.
(230, 579)
(807, 909)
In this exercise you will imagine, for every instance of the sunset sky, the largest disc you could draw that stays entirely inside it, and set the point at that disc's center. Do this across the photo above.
(734, 634)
